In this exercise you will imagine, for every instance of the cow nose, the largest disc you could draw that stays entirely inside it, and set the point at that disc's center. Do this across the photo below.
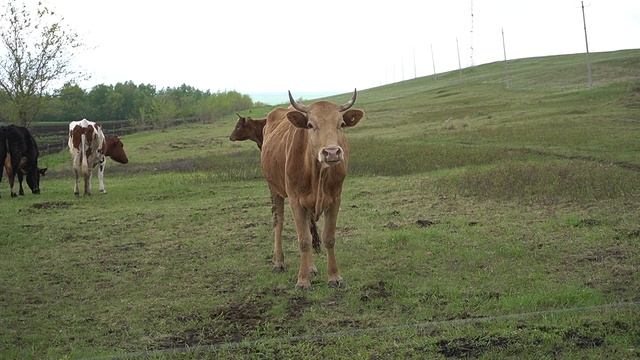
(332, 154)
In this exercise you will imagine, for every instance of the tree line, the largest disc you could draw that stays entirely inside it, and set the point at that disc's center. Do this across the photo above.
(141, 104)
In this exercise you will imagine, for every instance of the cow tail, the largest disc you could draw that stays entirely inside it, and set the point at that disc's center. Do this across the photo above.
(315, 239)
(83, 154)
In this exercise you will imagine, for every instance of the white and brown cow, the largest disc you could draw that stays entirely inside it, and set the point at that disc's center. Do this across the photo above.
(89, 148)
(304, 157)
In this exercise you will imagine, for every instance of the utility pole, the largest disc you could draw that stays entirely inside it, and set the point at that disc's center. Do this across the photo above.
(506, 71)
(459, 64)
(471, 55)
(415, 73)
(586, 41)
(433, 62)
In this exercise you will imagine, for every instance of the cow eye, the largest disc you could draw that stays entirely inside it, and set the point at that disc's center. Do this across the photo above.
(309, 126)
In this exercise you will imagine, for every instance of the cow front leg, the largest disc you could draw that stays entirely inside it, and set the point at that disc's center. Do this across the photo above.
(329, 240)
(277, 210)
(301, 218)
(315, 242)
(101, 175)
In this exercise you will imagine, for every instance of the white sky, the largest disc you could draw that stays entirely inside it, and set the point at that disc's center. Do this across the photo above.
(330, 45)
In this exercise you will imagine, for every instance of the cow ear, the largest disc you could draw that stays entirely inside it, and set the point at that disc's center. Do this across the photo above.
(352, 117)
(298, 119)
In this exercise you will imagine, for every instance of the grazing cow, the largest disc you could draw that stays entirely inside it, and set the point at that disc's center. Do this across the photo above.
(19, 156)
(89, 148)
(304, 157)
(248, 129)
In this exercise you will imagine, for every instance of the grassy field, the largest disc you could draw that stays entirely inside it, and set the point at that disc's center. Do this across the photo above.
(477, 221)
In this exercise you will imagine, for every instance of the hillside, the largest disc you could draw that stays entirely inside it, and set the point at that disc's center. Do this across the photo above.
(478, 220)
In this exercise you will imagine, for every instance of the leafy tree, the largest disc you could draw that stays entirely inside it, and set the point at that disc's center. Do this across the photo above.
(74, 102)
(38, 50)
(165, 109)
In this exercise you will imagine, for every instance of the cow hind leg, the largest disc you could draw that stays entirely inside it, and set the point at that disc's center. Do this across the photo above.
(11, 177)
(277, 210)
(8, 166)
(87, 184)
(20, 190)
(76, 187)
(101, 176)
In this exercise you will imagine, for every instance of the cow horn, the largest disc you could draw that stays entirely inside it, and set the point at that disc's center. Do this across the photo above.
(238, 115)
(296, 105)
(349, 103)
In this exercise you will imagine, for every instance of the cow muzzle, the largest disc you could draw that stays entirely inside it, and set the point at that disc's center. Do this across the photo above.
(331, 155)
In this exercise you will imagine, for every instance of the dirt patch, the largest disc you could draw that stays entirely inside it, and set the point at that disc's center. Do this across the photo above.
(188, 318)
(392, 225)
(426, 223)
(297, 306)
(231, 322)
(599, 255)
(470, 347)
(247, 314)
(374, 291)
(51, 205)
(587, 223)
(583, 338)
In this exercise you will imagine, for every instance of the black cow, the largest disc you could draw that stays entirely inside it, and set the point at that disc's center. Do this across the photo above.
(19, 155)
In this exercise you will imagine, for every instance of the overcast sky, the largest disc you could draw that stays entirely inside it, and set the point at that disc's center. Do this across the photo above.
(326, 46)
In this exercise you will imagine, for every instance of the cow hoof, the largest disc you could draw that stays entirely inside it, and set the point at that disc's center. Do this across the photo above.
(21, 193)
(14, 195)
(278, 268)
(303, 285)
(77, 194)
(336, 283)
(313, 270)
(103, 191)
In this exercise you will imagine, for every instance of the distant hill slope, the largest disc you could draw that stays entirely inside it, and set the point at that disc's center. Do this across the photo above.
(537, 107)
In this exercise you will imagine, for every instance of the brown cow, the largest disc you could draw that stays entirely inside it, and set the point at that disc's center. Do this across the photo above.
(248, 129)
(304, 157)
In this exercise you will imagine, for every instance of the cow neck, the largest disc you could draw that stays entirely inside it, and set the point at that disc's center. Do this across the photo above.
(258, 126)
(104, 147)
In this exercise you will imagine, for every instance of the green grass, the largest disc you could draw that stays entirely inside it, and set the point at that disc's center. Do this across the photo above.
(467, 204)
